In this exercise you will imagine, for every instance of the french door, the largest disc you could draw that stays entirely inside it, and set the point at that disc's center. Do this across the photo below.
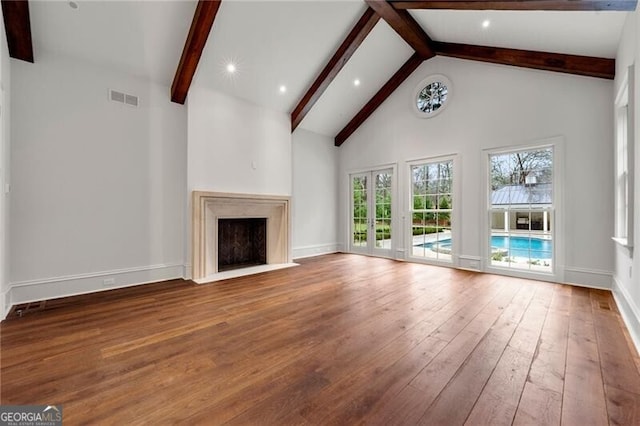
(371, 200)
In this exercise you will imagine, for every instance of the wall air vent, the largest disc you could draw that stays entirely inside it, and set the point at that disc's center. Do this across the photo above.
(131, 100)
(123, 98)
(116, 96)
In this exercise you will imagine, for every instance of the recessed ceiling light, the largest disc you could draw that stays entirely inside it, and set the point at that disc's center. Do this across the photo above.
(486, 23)
(73, 5)
(231, 68)
(356, 82)
(283, 89)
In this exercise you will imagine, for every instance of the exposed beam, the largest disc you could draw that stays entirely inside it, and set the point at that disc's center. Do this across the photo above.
(18, 29)
(570, 64)
(575, 5)
(389, 87)
(350, 44)
(201, 25)
(404, 24)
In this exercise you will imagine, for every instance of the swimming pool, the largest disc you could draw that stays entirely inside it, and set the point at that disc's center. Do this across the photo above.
(534, 248)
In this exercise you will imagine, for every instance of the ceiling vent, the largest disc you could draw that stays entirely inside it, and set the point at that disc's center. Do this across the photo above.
(123, 98)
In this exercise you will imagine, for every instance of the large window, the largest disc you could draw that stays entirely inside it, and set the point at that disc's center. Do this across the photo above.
(431, 210)
(521, 210)
(622, 174)
(624, 162)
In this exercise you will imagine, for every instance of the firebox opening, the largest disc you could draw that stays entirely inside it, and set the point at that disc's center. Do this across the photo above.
(241, 243)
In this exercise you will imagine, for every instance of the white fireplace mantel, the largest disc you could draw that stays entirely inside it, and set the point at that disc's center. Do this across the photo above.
(208, 207)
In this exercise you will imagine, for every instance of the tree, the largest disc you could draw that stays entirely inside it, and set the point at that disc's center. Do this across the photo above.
(443, 217)
(383, 195)
(428, 180)
(444, 204)
(360, 197)
(514, 168)
(421, 203)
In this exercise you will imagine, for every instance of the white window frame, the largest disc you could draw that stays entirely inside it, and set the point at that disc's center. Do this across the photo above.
(624, 162)
(557, 212)
(435, 78)
(396, 235)
(455, 211)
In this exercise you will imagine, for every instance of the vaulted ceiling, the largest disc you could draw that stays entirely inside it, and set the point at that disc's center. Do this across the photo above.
(303, 57)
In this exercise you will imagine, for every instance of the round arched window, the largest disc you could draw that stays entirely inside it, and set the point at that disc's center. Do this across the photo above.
(432, 96)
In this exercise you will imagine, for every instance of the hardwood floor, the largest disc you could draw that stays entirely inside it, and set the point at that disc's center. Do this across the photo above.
(342, 339)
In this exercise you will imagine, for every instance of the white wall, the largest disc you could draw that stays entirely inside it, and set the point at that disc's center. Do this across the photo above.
(5, 89)
(98, 187)
(315, 194)
(627, 264)
(498, 106)
(237, 146)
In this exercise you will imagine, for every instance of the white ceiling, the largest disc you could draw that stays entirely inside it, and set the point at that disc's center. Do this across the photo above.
(576, 33)
(273, 43)
(276, 43)
(143, 38)
(381, 54)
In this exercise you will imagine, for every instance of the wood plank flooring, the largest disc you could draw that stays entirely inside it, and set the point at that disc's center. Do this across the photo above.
(341, 339)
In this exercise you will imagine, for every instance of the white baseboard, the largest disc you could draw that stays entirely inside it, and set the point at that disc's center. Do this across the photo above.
(73, 285)
(186, 271)
(592, 278)
(5, 304)
(471, 263)
(628, 310)
(315, 250)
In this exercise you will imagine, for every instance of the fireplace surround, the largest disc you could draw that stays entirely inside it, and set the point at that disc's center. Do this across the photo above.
(209, 207)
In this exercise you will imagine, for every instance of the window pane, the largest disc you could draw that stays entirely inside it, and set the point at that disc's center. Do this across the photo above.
(431, 202)
(359, 206)
(432, 171)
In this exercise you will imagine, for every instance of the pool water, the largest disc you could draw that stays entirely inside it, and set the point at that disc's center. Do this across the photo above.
(534, 248)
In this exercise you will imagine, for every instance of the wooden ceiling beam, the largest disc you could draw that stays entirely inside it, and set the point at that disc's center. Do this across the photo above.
(201, 25)
(18, 29)
(404, 24)
(342, 55)
(570, 64)
(389, 87)
(566, 5)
